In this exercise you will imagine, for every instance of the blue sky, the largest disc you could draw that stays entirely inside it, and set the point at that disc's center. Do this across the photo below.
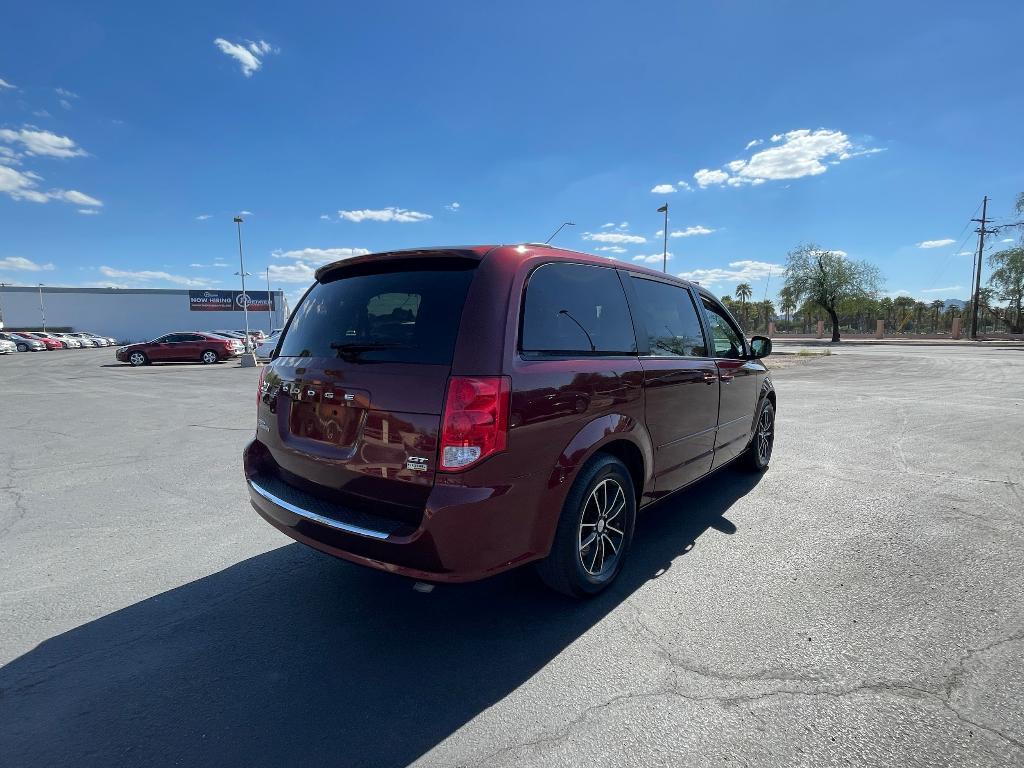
(131, 134)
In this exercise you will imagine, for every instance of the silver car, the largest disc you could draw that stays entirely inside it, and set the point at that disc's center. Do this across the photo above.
(7, 346)
(101, 341)
(87, 341)
(69, 341)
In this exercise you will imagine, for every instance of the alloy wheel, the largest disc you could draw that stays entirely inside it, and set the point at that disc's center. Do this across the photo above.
(765, 436)
(602, 528)
(209, 357)
(137, 358)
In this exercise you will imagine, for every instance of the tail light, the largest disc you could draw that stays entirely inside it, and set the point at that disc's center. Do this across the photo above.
(475, 421)
(259, 387)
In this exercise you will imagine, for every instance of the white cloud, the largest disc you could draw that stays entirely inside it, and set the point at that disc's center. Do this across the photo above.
(146, 276)
(88, 211)
(204, 216)
(705, 177)
(65, 93)
(798, 154)
(41, 142)
(663, 189)
(684, 186)
(739, 271)
(320, 255)
(249, 56)
(610, 249)
(936, 243)
(691, 231)
(4, 84)
(65, 103)
(22, 185)
(453, 207)
(613, 237)
(943, 290)
(216, 263)
(385, 214)
(298, 272)
(753, 143)
(324, 217)
(1006, 240)
(966, 253)
(21, 264)
(654, 258)
(246, 213)
(76, 197)
(608, 225)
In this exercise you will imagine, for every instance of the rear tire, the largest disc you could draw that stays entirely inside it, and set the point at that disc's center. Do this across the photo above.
(594, 530)
(137, 358)
(23, 347)
(759, 453)
(209, 357)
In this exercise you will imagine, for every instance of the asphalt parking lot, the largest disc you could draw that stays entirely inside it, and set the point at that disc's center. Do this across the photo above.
(862, 603)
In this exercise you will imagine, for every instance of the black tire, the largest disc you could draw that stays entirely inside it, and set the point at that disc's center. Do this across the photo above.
(759, 452)
(135, 359)
(23, 347)
(209, 357)
(564, 569)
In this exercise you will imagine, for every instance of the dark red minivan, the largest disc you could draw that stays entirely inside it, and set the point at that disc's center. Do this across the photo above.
(451, 413)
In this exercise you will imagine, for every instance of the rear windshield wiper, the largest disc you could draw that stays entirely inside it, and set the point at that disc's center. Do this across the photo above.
(351, 351)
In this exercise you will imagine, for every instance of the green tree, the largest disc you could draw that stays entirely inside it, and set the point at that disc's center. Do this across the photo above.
(937, 307)
(743, 292)
(787, 303)
(827, 278)
(1007, 285)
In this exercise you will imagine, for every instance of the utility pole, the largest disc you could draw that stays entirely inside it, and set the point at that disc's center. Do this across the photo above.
(41, 310)
(982, 231)
(270, 307)
(664, 253)
(245, 297)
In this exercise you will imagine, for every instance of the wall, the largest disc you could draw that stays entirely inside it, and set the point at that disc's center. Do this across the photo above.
(127, 314)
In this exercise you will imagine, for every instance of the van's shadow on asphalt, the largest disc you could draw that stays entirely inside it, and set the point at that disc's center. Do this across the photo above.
(294, 658)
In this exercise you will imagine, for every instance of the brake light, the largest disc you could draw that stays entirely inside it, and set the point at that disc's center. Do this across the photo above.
(475, 420)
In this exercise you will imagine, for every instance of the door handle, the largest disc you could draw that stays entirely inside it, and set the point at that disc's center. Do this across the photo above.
(709, 377)
(725, 378)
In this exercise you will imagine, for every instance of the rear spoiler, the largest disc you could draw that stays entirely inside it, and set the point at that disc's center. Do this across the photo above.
(432, 258)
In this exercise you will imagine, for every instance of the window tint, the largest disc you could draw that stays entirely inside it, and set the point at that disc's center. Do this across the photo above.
(576, 309)
(409, 316)
(667, 312)
(725, 338)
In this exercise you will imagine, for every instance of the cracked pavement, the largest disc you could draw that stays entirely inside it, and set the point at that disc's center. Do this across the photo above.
(862, 603)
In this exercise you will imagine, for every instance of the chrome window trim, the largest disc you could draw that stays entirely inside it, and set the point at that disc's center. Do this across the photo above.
(305, 513)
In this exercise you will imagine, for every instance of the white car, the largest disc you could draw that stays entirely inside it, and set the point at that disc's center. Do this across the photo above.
(266, 347)
(7, 346)
(69, 341)
(101, 341)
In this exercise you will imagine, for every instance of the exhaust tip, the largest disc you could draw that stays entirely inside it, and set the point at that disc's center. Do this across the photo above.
(423, 587)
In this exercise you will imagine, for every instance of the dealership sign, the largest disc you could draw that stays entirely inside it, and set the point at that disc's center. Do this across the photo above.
(227, 301)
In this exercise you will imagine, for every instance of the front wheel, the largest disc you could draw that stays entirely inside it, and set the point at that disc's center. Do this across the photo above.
(137, 359)
(594, 530)
(759, 454)
(23, 347)
(209, 357)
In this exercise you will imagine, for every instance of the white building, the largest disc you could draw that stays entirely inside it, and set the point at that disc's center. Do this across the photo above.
(136, 314)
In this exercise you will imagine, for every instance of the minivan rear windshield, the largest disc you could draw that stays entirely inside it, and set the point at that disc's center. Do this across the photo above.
(398, 316)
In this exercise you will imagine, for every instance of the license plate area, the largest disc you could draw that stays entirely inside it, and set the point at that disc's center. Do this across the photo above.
(326, 414)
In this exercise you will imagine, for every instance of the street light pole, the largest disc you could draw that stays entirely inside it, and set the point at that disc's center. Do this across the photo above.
(664, 253)
(41, 310)
(245, 297)
(270, 307)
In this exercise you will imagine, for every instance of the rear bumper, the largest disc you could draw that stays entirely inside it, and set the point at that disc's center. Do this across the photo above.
(466, 534)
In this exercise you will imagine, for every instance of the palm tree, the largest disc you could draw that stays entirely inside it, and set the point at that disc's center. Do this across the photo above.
(937, 306)
(787, 303)
(744, 292)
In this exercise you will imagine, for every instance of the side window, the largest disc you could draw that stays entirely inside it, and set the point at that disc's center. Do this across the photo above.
(725, 338)
(667, 311)
(164, 339)
(576, 309)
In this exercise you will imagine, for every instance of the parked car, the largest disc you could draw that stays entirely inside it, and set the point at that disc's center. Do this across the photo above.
(266, 347)
(180, 347)
(88, 341)
(69, 341)
(253, 333)
(24, 343)
(451, 414)
(48, 341)
(230, 334)
(101, 341)
(7, 346)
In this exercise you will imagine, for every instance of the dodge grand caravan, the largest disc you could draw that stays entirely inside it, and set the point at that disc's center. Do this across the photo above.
(448, 414)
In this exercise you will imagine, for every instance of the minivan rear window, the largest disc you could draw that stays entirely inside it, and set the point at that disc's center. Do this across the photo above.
(397, 316)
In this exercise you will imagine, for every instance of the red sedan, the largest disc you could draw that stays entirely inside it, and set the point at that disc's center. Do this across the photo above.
(49, 341)
(181, 348)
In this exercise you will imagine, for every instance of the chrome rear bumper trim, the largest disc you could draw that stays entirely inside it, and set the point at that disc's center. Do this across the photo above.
(305, 513)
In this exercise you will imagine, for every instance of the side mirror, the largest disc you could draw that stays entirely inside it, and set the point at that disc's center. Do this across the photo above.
(760, 346)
